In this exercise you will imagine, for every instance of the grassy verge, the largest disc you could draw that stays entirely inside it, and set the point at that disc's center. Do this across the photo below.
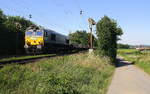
(73, 74)
(23, 57)
(141, 59)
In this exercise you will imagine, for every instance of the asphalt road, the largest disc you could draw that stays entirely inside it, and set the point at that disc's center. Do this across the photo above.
(129, 79)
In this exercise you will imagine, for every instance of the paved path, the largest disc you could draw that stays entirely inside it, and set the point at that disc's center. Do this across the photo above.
(129, 79)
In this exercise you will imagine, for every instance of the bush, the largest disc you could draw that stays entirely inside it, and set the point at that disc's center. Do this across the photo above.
(107, 32)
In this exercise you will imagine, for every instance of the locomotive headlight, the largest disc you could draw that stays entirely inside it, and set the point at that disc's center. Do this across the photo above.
(26, 46)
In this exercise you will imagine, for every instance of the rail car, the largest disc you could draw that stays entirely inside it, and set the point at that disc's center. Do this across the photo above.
(39, 40)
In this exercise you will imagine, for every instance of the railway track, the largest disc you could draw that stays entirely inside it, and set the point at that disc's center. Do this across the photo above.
(34, 59)
(24, 61)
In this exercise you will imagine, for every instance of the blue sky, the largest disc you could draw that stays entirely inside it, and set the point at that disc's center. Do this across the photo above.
(63, 15)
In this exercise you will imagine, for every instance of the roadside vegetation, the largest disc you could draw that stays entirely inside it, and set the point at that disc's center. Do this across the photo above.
(139, 58)
(73, 74)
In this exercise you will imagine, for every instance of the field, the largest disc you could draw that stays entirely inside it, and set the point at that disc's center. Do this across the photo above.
(139, 58)
(73, 74)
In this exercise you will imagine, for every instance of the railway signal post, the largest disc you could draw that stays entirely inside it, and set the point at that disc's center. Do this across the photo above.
(91, 23)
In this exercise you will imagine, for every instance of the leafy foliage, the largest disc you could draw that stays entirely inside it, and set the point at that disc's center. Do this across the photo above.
(107, 33)
(81, 37)
(12, 30)
(123, 46)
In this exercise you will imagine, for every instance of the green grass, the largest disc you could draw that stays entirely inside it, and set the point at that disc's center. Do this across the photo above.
(73, 74)
(141, 59)
(23, 57)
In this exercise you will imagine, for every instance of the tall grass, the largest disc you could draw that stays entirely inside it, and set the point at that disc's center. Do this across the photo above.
(73, 74)
(141, 59)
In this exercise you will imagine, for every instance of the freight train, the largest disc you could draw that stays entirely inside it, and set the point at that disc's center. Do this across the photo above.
(40, 40)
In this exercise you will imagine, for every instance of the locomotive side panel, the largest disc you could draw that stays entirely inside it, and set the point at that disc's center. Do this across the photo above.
(54, 42)
(54, 37)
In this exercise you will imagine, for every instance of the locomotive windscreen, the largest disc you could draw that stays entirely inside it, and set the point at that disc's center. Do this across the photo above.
(33, 33)
(39, 33)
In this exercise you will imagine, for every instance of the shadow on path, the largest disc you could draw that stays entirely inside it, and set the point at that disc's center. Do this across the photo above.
(121, 63)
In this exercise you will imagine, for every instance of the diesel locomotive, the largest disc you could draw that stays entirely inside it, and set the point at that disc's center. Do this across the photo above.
(40, 40)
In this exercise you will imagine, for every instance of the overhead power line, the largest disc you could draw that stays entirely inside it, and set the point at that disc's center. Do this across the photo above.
(81, 12)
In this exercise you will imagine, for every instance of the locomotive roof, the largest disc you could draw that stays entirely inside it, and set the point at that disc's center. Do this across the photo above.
(34, 27)
(55, 32)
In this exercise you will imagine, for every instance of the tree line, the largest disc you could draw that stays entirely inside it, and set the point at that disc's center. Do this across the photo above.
(123, 46)
(12, 29)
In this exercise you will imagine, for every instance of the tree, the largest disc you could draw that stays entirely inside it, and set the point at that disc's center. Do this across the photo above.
(123, 46)
(107, 33)
(12, 29)
(81, 37)
(12, 21)
(2, 20)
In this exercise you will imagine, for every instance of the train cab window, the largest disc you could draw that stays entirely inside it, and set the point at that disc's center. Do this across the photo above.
(39, 33)
(53, 37)
(29, 33)
(46, 34)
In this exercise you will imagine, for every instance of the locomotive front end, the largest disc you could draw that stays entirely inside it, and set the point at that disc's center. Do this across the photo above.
(34, 40)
